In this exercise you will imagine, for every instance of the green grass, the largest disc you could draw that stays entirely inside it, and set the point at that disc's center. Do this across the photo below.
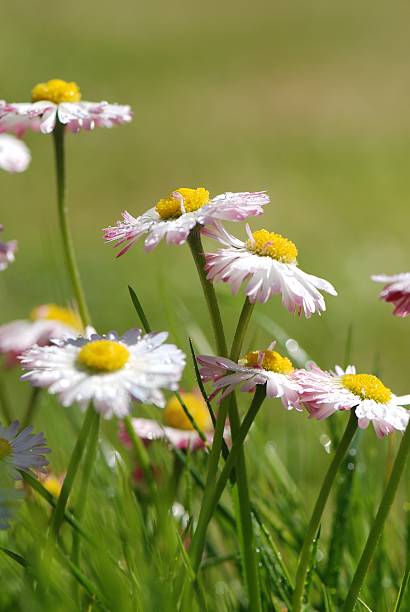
(306, 101)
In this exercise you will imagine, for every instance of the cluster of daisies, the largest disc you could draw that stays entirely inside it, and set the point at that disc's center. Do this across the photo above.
(111, 371)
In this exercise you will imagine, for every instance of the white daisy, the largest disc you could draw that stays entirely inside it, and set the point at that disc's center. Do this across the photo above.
(108, 370)
(46, 322)
(7, 252)
(176, 429)
(256, 368)
(175, 216)
(397, 291)
(324, 393)
(14, 154)
(21, 450)
(267, 261)
(60, 100)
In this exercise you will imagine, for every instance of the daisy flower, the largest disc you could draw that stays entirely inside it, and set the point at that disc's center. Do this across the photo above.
(60, 101)
(7, 251)
(267, 262)
(175, 216)
(108, 370)
(324, 393)
(176, 429)
(397, 291)
(9, 500)
(21, 450)
(255, 368)
(46, 322)
(14, 154)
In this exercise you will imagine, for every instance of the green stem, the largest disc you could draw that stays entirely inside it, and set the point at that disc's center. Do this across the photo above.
(210, 503)
(68, 246)
(89, 461)
(197, 251)
(58, 515)
(31, 407)
(139, 449)
(379, 521)
(241, 329)
(316, 517)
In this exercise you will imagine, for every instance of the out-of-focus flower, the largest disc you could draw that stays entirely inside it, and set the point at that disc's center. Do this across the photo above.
(174, 217)
(267, 261)
(21, 450)
(7, 252)
(256, 368)
(108, 370)
(176, 428)
(9, 500)
(60, 101)
(324, 393)
(46, 322)
(14, 154)
(397, 291)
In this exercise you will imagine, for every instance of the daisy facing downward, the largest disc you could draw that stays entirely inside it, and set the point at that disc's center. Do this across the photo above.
(58, 101)
(255, 368)
(175, 216)
(397, 291)
(324, 393)
(267, 262)
(110, 371)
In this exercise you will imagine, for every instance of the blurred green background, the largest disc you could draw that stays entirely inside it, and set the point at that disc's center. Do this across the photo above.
(308, 101)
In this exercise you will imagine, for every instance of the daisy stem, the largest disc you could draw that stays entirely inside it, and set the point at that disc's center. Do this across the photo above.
(379, 521)
(58, 515)
(241, 328)
(89, 461)
(209, 505)
(31, 407)
(4, 402)
(197, 251)
(316, 517)
(139, 449)
(66, 237)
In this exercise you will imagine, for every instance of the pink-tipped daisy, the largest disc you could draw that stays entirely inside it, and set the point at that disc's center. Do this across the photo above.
(46, 322)
(175, 216)
(397, 291)
(110, 371)
(267, 262)
(60, 101)
(256, 368)
(324, 393)
(176, 429)
(7, 252)
(14, 154)
(21, 450)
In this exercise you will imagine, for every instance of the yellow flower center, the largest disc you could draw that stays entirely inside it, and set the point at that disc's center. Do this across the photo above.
(269, 244)
(56, 91)
(181, 201)
(367, 386)
(103, 356)
(52, 312)
(5, 448)
(53, 485)
(174, 415)
(271, 361)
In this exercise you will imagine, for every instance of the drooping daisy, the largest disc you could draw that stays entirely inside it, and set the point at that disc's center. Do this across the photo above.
(46, 322)
(14, 154)
(21, 451)
(7, 252)
(397, 291)
(324, 393)
(267, 262)
(60, 100)
(255, 368)
(176, 215)
(176, 428)
(108, 370)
